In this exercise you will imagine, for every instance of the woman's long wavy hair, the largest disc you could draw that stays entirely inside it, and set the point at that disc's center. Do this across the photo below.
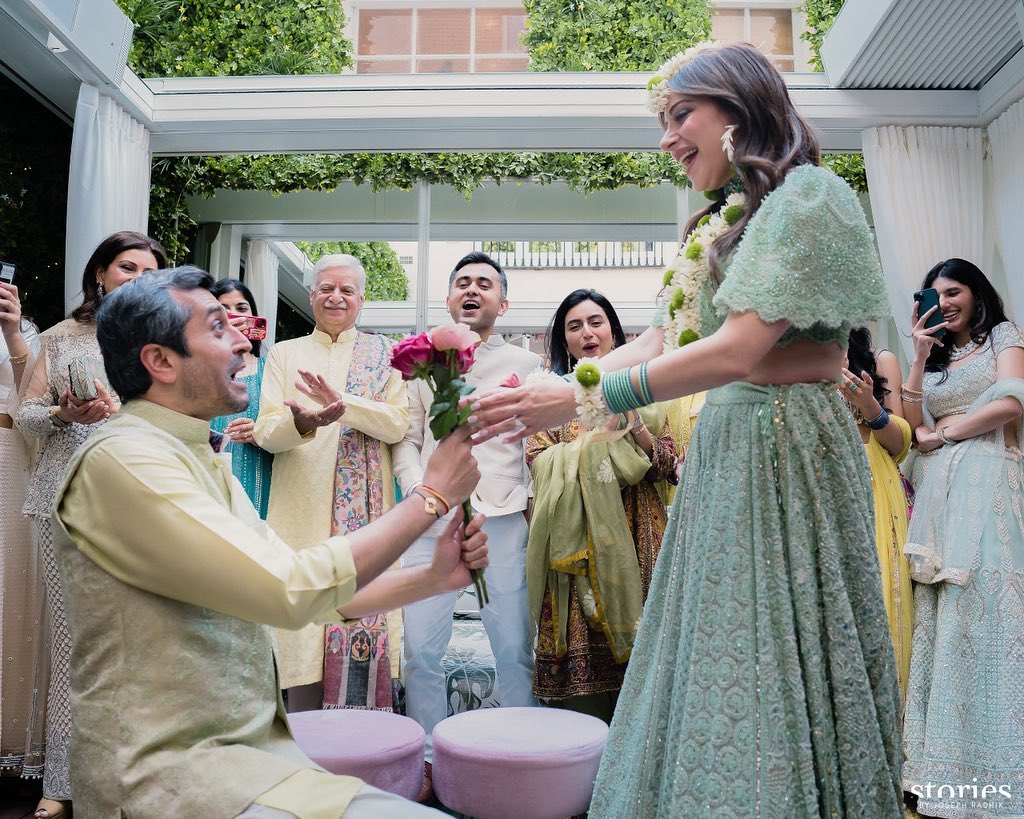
(771, 138)
(102, 257)
(987, 304)
(558, 352)
(861, 358)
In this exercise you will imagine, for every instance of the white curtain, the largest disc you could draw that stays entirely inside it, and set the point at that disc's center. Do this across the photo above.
(108, 186)
(261, 278)
(926, 189)
(1006, 151)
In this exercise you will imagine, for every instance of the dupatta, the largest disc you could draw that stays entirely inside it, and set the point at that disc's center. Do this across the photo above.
(970, 486)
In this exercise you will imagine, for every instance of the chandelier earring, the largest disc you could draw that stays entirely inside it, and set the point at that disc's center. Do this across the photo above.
(100, 289)
(727, 143)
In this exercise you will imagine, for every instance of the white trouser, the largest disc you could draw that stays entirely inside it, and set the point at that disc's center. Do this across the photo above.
(368, 803)
(428, 627)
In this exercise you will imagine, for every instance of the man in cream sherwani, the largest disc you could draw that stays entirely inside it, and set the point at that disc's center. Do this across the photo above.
(477, 295)
(332, 467)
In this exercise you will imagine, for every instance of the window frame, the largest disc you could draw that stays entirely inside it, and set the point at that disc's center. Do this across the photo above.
(801, 55)
(415, 6)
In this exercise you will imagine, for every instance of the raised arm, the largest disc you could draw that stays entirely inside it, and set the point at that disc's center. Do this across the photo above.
(728, 355)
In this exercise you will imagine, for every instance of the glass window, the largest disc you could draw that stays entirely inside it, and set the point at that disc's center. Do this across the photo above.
(498, 30)
(385, 31)
(456, 39)
(442, 31)
(771, 30)
(773, 27)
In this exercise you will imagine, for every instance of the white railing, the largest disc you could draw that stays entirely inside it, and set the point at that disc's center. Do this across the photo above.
(544, 254)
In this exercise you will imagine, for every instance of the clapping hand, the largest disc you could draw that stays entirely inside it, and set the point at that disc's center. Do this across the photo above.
(332, 407)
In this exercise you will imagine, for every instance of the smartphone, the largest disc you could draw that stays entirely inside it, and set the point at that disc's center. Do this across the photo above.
(927, 299)
(6, 276)
(253, 328)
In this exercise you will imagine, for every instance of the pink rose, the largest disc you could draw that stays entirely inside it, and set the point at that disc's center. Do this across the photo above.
(457, 337)
(453, 337)
(410, 352)
(512, 381)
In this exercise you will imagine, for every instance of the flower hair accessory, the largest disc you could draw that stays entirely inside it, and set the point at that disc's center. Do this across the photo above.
(657, 86)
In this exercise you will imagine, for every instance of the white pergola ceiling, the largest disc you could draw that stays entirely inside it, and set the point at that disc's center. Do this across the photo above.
(531, 111)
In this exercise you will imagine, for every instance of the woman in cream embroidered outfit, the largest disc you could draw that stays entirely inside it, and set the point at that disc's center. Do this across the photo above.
(964, 723)
(762, 681)
(50, 414)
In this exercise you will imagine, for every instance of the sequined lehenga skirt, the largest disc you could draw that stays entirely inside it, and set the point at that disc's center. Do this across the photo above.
(23, 644)
(762, 682)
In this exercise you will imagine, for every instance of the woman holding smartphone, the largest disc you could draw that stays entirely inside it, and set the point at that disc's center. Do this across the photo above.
(249, 463)
(58, 421)
(964, 396)
(762, 679)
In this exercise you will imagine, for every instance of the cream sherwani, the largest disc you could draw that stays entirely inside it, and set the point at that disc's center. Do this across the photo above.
(302, 487)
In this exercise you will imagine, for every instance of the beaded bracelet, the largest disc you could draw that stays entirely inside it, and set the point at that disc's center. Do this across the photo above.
(911, 390)
(910, 399)
(880, 422)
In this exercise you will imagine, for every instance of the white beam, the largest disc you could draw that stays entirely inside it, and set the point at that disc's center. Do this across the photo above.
(481, 112)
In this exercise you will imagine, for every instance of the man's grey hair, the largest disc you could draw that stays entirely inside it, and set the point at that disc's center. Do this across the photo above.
(340, 260)
(142, 312)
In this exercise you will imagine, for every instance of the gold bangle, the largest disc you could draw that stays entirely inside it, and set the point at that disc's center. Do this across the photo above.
(19, 359)
(441, 498)
(911, 400)
(911, 390)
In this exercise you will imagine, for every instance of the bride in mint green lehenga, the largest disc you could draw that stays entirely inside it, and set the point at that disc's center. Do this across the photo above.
(762, 681)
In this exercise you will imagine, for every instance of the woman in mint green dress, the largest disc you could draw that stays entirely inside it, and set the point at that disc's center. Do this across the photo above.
(762, 681)
(251, 464)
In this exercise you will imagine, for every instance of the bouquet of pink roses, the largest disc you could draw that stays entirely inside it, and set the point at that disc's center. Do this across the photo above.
(440, 357)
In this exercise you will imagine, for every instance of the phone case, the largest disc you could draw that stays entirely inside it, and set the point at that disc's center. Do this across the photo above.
(927, 299)
(83, 371)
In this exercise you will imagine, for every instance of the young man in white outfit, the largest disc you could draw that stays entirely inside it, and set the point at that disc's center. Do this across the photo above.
(477, 295)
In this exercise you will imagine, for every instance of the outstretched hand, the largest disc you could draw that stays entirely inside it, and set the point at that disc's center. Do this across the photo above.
(314, 386)
(457, 551)
(524, 411)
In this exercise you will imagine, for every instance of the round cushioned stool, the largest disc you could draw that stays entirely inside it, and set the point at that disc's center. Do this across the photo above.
(517, 763)
(383, 749)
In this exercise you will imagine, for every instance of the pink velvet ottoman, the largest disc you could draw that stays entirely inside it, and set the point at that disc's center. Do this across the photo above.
(383, 749)
(517, 763)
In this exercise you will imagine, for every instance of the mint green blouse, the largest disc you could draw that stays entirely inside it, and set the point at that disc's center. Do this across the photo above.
(807, 256)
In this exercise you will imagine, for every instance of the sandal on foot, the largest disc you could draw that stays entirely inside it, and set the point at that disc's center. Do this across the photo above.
(51, 809)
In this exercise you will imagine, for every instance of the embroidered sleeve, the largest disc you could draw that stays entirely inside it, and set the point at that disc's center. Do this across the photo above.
(1005, 336)
(807, 256)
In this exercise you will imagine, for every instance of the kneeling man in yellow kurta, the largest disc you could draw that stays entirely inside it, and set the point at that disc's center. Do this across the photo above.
(172, 581)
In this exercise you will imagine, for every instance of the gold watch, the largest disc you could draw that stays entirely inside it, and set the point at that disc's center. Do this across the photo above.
(430, 503)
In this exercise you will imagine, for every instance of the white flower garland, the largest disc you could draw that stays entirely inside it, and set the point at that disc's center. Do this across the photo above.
(687, 276)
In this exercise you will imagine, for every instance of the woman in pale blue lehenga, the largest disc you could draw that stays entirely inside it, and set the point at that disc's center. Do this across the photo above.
(964, 728)
(762, 681)
(250, 463)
